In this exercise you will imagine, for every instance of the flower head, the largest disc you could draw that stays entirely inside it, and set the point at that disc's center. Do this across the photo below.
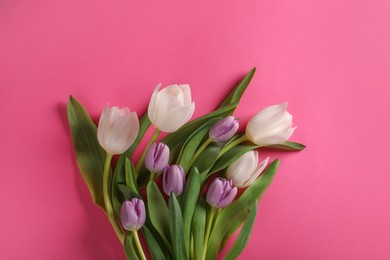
(171, 107)
(117, 130)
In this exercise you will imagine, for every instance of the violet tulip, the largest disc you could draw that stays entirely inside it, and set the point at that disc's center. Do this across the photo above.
(171, 107)
(221, 193)
(246, 169)
(270, 126)
(173, 179)
(157, 157)
(133, 214)
(224, 129)
(117, 130)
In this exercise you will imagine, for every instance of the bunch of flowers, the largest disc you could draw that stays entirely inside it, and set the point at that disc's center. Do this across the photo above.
(202, 164)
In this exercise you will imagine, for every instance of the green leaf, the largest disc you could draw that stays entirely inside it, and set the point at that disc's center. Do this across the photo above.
(208, 157)
(144, 125)
(192, 143)
(176, 140)
(190, 199)
(236, 213)
(90, 155)
(176, 226)
(158, 211)
(153, 246)
(129, 248)
(239, 90)
(117, 179)
(130, 178)
(291, 146)
(198, 228)
(244, 235)
(230, 156)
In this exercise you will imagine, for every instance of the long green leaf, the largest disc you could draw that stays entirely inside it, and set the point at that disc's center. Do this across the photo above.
(198, 228)
(129, 248)
(236, 213)
(158, 211)
(90, 156)
(208, 157)
(230, 156)
(153, 246)
(239, 90)
(244, 235)
(190, 199)
(130, 178)
(291, 146)
(176, 226)
(192, 143)
(117, 179)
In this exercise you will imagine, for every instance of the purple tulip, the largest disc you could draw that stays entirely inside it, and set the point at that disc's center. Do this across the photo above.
(221, 193)
(173, 179)
(224, 129)
(133, 214)
(157, 157)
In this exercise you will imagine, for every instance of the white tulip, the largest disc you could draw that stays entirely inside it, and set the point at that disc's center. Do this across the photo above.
(171, 107)
(246, 169)
(117, 130)
(270, 126)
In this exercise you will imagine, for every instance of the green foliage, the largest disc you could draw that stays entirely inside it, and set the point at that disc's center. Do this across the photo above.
(89, 154)
(236, 213)
(176, 227)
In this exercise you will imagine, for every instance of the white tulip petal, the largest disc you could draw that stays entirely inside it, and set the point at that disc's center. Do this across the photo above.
(260, 168)
(104, 125)
(123, 133)
(241, 169)
(187, 93)
(175, 118)
(152, 104)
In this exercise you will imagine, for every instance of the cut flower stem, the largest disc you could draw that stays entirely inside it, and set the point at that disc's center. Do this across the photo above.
(107, 198)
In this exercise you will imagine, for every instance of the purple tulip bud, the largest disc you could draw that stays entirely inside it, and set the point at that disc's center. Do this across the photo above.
(173, 179)
(157, 157)
(224, 129)
(133, 214)
(221, 193)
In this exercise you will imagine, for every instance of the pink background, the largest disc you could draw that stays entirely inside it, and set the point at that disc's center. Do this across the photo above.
(329, 59)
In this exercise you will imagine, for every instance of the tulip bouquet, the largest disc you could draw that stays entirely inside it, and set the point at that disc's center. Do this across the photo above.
(182, 193)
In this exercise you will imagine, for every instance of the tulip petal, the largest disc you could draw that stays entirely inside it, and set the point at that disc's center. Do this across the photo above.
(260, 168)
(152, 104)
(123, 133)
(241, 169)
(187, 93)
(176, 117)
(104, 126)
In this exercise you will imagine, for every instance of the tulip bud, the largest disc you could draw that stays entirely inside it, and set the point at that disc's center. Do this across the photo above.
(173, 179)
(221, 193)
(157, 157)
(133, 214)
(246, 169)
(270, 126)
(224, 129)
(117, 130)
(171, 107)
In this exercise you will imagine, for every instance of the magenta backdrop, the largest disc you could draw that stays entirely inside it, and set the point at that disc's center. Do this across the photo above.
(328, 59)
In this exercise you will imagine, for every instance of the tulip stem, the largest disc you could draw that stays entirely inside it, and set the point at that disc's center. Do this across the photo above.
(107, 198)
(210, 221)
(142, 158)
(138, 246)
(152, 176)
(232, 144)
(199, 151)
